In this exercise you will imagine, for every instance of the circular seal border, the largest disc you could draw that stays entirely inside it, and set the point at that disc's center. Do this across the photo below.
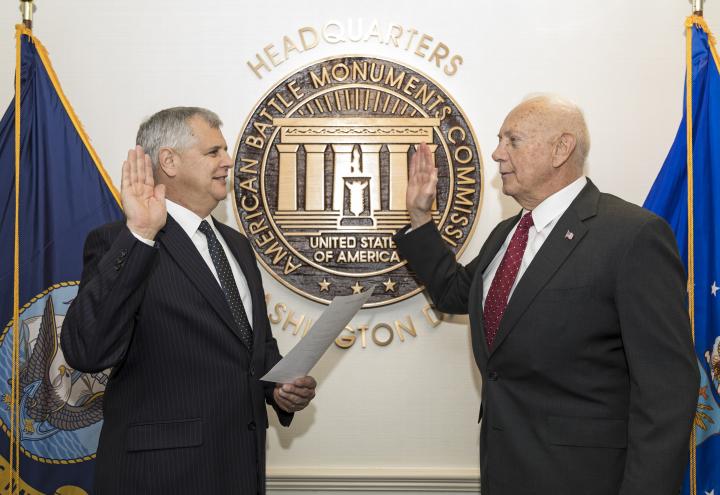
(3, 426)
(277, 84)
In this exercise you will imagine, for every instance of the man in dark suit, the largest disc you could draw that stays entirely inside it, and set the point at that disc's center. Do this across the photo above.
(578, 318)
(172, 301)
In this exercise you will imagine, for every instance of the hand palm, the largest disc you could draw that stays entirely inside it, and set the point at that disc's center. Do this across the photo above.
(143, 202)
(422, 185)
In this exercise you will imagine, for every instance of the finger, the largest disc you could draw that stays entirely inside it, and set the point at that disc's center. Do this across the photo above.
(294, 393)
(426, 156)
(433, 179)
(132, 162)
(414, 166)
(298, 395)
(125, 180)
(305, 381)
(139, 165)
(289, 405)
(284, 404)
(420, 160)
(148, 170)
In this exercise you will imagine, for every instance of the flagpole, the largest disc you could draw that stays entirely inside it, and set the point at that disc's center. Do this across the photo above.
(27, 8)
(697, 13)
(698, 7)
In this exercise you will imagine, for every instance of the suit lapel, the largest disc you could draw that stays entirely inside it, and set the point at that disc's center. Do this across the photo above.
(486, 255)
(182, 250)
(553, 253)
(494, 243)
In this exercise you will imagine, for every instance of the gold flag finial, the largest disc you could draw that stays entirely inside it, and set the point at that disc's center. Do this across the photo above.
(27, 8)
(697, 7)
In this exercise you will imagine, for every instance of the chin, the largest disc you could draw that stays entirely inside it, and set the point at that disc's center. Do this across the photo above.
(508, 190)
(220, 195)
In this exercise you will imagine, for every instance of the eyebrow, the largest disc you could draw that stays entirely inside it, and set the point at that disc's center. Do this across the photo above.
(511, 132)
(216, 148)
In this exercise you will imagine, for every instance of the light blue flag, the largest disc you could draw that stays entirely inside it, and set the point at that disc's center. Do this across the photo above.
(669, 199)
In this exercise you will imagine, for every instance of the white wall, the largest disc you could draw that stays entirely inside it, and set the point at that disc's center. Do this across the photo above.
(402, 416)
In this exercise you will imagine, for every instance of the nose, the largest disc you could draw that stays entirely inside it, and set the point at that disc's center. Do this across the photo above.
(499, 155)
(226, 160)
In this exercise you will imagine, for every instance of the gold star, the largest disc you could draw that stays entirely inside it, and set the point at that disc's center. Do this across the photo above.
(324, 285)
(357, 288)
(6, 399)
(29, 428)
(703, 393)
(389, 285)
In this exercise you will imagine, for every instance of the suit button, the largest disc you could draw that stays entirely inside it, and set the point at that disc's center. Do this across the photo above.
(252, 370)
(493, 376)
(123, 253)
(251, 426)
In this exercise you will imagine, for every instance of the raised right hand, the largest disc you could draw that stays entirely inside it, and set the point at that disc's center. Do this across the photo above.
(143, 202)
(422, 186)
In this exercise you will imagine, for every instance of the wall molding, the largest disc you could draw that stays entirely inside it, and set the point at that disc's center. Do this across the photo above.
(373, 480)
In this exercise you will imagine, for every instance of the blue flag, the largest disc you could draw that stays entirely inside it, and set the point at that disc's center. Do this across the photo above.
(53, 191)
(696, 154)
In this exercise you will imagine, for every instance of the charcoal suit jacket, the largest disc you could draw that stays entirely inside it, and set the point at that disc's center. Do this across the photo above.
(184, 411)
(591, 384)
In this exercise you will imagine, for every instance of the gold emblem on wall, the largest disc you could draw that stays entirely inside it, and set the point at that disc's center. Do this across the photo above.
(321, 171)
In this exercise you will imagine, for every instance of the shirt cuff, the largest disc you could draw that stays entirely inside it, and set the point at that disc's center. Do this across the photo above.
(149, 242)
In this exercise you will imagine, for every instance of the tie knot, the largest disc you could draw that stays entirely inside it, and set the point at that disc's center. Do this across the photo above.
(526, 221)
(205, 228)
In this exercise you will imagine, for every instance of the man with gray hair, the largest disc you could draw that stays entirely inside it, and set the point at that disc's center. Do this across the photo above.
(172, 301)
(578, 319)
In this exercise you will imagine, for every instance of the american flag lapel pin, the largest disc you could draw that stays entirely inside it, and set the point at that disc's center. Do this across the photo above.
(569, 235)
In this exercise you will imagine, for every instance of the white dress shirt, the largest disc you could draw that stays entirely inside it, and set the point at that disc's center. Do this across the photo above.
(190, 223)
(545, 216)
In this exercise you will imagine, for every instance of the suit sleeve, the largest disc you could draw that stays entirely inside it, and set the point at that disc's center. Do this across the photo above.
(272, 356)
(99, 324)
(651, 303)
(272, 353)
(447, 281)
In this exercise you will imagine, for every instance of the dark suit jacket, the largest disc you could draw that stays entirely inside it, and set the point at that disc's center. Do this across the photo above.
(184, 410)
(591, 385)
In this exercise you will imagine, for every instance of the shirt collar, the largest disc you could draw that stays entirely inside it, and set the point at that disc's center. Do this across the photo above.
(187, 219)
(555, 205)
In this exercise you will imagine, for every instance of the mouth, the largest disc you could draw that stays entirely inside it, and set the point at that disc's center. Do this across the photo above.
(221, 178)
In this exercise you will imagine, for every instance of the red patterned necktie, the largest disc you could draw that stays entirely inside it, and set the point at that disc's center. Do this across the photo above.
(497, 297)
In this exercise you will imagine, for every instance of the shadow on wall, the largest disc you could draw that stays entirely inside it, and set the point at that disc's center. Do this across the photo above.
(304, 420)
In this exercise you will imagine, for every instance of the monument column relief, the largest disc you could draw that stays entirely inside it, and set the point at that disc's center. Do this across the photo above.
(287, 179)
(315, 177)
(347, 136)
(371, 167)
(398, 175)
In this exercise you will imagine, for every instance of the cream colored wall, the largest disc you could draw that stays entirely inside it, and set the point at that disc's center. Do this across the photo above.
(405, 415)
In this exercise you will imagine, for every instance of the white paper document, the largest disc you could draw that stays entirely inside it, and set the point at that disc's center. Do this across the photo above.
(300, 360)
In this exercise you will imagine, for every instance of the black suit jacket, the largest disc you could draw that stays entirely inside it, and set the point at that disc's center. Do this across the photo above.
(184, 411)
(591, 384)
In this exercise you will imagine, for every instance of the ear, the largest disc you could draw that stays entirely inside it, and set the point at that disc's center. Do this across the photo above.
(564, 147)
(167, 161)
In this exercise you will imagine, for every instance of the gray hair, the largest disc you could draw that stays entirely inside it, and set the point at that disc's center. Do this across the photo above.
(170, 128)
(573, 119)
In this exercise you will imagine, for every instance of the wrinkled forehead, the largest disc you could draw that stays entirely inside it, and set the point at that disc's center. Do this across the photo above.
(531, 118)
